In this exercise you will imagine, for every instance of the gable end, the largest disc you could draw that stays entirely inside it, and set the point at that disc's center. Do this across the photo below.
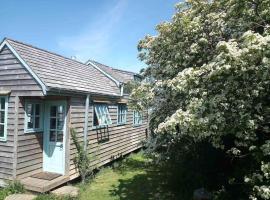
(37, 79)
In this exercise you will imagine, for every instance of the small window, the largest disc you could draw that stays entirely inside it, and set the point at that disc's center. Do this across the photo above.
(33, 117)
(137, 118)
(122, 114)
(3, 117)
(101, 115)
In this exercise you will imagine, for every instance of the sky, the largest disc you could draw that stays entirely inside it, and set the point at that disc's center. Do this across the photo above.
(107, 31)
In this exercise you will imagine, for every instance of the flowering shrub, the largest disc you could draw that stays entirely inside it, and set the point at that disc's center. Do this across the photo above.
(210, 80)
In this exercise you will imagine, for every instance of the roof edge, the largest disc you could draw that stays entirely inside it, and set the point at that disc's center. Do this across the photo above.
(40, 82)
(72, 91)
(115, 68)
(45, 50)
(118, 83)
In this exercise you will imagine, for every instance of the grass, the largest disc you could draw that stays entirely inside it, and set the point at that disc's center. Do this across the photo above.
(53, 197)
(133, 178)
(12, 188)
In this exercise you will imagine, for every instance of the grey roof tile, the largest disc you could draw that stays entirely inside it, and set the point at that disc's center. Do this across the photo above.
(60, 72)
(118, 74)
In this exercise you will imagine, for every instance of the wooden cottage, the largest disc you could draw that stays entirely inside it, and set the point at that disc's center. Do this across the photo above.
(42, 96)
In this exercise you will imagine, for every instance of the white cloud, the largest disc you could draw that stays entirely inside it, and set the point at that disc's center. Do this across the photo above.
(94, 40)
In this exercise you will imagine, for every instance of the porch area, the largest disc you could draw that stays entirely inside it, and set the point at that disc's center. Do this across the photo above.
(44, 182)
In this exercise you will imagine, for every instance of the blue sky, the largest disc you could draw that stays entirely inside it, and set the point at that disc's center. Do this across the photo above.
(104, 30)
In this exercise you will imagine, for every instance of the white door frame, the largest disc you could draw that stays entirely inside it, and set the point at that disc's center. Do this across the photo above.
(46, 167)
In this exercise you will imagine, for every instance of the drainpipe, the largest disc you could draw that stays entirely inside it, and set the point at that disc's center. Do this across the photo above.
(122, 89)
(85, 130)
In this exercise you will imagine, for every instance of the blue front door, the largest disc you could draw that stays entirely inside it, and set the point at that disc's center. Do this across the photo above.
(54, 137)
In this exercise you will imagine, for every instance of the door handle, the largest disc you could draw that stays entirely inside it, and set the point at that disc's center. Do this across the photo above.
(61, 146)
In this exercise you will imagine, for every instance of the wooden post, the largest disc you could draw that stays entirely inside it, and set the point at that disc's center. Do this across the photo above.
(67, 142)
(15, 147)
(85, 130)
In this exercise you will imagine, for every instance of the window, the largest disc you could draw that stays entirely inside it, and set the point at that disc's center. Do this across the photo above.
(101, 115)
(137, 118)
(3, 117)
(33, 117)
(122, 114)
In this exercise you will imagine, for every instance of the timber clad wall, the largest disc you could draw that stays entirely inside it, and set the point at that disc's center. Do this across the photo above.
(15, 78)
(29, 150)
(22, 154)
(117, 140)
(30, 145)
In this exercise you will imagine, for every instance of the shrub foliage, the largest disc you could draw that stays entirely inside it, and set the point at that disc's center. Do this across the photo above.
(83, 159)
(209, 90)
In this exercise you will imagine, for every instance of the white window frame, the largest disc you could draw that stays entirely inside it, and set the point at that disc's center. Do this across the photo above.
(4, 138)
(34, 129)
(121, 114)
(103, 115)
(137, 115)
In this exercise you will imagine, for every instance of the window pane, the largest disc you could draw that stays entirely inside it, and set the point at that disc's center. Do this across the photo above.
(52, 136)
(37, 109)
(60, 136)
(33, 116)
(137, 118)
(30, 123)
(98, 115)
(30, 109)
(102, 115)
(103, 120)
(2, 129)
(95, 123)
(53, 111)
(122, 113)
(60, 109)
(2, 116)
(2, 103)
(119, 113)
(60, 124)
(37, 122)
(53, 123)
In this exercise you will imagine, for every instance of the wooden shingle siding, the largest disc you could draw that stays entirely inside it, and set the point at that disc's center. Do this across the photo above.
(15, 78)
(122, 139)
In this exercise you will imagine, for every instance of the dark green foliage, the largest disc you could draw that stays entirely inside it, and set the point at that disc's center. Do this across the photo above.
(82, 159)
(129, 86)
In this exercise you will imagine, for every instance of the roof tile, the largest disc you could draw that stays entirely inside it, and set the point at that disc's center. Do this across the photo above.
(60, 72)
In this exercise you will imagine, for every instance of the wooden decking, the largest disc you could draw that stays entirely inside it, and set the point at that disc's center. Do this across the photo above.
(40, 185)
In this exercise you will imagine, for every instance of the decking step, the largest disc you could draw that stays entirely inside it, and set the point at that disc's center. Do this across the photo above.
(40, 185)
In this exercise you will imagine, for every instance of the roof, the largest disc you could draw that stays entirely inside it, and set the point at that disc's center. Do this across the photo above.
(122, 76)
(61, 73)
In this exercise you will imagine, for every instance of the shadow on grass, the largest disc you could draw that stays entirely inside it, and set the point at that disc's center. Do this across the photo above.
(131, 164)
(148, 183)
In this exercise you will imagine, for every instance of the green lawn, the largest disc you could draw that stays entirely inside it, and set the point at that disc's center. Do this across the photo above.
(133, 179)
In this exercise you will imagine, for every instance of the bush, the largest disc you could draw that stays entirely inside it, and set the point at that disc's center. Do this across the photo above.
(14, 187)
(83, 158)
(209, 92)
